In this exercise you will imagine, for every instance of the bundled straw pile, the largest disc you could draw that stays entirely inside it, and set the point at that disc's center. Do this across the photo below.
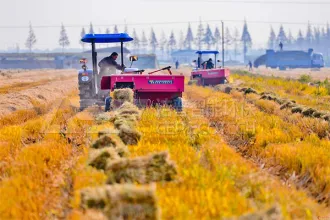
(153, 168)
(192, 82)
(125, 121)
(273, 213)
(105, 149)
(109, 153)
(122, 201)
(123, 95)
(100, 157)
(287, 104)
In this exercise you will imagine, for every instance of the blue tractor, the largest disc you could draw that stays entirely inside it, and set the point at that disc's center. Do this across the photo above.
(90, 92)
(149, 89)
(290, 59)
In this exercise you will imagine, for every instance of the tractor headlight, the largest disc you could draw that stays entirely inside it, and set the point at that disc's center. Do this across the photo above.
(84, 78)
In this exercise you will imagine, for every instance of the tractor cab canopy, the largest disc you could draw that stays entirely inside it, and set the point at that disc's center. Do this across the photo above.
(201, 52)
(106, 38)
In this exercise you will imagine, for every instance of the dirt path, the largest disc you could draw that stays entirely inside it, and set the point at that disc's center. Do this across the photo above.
(17, 77)
(26, 85)
(45, 87)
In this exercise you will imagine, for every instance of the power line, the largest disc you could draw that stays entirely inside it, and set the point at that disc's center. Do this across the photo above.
(258, 2)
(165, 23)
(270, 2)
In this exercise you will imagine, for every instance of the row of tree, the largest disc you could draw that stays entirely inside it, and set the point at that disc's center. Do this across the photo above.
(206, 38)
(315, 37)
(32, 39)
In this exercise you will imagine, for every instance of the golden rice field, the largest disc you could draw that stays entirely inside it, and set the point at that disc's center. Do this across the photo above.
(316, 95)
(236, 156)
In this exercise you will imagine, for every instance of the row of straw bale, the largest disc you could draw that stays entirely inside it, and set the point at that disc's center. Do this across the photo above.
(285, 103)
(296, 108)
(121, 197)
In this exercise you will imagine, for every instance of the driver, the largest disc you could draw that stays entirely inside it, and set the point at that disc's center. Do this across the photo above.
(209, 64)
(110, 61)
(108, 66)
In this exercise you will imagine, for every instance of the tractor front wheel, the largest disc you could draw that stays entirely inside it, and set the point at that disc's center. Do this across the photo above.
(86, 96)
(85, 103)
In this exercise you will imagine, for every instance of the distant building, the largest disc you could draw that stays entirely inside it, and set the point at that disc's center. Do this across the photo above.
(184, 56)
(110, 50)
(69, 60)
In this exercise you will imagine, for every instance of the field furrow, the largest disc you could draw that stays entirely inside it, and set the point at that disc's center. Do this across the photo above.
(36, 178)
(236, 156)
(280, 146)
(215, 181)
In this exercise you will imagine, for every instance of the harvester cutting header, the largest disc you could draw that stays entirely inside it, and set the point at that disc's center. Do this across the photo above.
(149, 89)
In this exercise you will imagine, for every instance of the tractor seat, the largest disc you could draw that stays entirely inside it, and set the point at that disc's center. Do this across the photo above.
(131, 70)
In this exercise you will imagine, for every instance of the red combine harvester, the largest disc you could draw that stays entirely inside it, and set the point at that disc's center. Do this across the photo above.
(206, 75)
(149, 89)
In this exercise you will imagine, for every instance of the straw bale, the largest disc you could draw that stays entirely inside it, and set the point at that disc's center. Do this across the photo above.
(192, 82)
(129, 135)
(122, 201)
(123, 95)
(297, 109)
(273, 213)
(288, 104)
(128, 108)
(308, 112)
(250, 90)
(99, 158)
(147, 169)
(109, 140)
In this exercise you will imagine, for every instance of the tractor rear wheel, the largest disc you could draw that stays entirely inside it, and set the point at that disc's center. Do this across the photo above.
(224, 81)
(177, 104)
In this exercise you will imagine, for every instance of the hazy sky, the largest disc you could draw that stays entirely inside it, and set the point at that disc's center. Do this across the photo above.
(105, 13)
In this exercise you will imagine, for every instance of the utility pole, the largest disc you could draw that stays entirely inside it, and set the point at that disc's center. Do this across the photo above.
(223, 45)
(17, 48)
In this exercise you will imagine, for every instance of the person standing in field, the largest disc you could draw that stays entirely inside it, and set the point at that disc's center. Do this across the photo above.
(281, 46)
(250, 65)
(177, 64)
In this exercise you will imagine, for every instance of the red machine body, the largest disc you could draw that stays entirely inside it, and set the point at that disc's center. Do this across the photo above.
(148, 89)
(206, 77)
(206, 73)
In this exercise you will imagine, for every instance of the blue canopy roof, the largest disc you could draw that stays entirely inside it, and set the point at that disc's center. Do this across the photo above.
(106, 38)
(207, 52)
